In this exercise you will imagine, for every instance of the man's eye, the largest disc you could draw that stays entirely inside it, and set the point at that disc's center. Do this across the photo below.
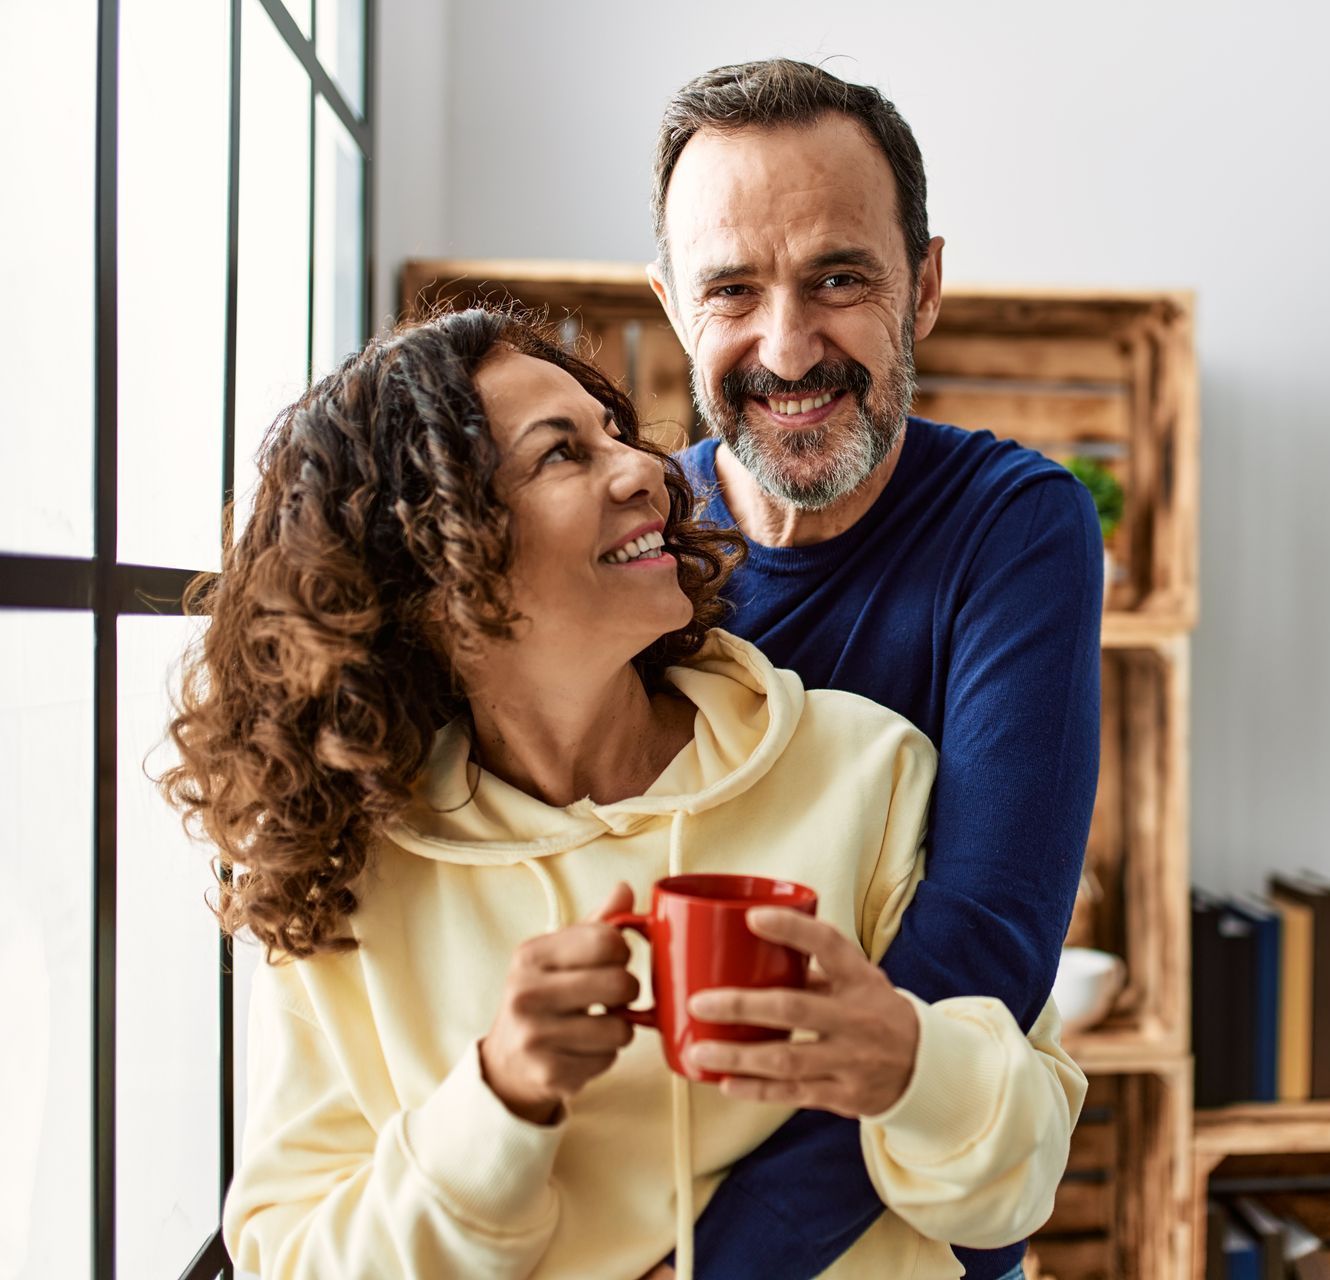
(730, 291)
(840, 280)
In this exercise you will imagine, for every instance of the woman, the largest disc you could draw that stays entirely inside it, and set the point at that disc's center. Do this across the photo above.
(461, 690)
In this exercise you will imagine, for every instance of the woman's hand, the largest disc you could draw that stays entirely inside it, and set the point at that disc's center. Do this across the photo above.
(544, 1045)
(867, 1032)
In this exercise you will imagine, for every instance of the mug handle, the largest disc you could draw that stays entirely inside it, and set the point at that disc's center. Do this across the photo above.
(639, 924)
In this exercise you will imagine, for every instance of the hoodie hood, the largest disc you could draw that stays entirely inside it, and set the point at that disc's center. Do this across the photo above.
(747, 711)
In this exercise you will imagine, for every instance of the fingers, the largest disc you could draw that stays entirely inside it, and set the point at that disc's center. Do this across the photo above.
(580, 946)
(838, 956)
(780, 1008)
(773, 1060)
(573, 990)
(822, 1095)
(620, 899)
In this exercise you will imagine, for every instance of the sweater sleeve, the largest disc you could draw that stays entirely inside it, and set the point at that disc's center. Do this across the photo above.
(1017, 769)
(456, 1186)
(972, 1152)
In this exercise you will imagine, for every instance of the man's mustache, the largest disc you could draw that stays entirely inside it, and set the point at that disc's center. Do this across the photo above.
(827, 375)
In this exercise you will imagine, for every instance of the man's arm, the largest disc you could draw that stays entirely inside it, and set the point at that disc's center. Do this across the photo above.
(1018, 766)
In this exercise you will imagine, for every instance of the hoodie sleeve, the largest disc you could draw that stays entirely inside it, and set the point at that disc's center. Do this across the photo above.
(971, 1153)
(457, 1186)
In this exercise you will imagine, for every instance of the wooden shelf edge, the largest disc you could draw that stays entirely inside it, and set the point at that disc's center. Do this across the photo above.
(1257, 1128)
(1127, 1051)
(1123, 629)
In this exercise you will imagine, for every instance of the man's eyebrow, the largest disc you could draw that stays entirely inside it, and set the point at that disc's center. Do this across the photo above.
(565, 425)
(726, 271)
(864, 259)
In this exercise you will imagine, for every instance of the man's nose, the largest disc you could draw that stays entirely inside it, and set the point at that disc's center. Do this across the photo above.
(789, 344)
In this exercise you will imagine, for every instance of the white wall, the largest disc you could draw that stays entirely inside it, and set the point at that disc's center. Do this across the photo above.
(411, 163)
(1135, 144)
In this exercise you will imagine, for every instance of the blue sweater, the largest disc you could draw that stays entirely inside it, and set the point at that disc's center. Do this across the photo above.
(968, 599)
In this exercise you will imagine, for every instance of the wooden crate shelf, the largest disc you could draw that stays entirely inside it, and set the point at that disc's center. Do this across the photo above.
(1107, 373)
(1277, 1129)
(1064, 371)
(1119, 1210)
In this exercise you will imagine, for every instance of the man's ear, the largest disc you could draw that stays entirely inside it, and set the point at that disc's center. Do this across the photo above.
(928, 292)
(659, 286)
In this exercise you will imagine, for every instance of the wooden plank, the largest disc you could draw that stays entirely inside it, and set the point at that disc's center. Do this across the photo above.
(1032, 359)
(1050, 421)
(1093, 1147)
(664, 395)
(1258, 1127)
(1081, 1207)
(1074, 1258)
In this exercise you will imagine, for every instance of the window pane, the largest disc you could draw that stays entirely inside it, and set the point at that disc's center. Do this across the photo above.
(272, 342)
(48, 87)
(338, 261)
(301, 11)
(340, 47)
(174, 91)
(167, 1005)
(46, 862)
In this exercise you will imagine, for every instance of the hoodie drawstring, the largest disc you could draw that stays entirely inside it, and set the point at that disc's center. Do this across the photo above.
(680, 1109)
(681, 1117)
(554, 918)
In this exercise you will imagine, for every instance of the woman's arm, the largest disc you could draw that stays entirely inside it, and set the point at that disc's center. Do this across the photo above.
(457, 1186)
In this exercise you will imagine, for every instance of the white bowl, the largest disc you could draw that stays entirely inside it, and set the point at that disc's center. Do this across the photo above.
(1088, 982)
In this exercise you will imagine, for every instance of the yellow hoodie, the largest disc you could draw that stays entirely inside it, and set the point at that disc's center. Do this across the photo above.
(374, 1148)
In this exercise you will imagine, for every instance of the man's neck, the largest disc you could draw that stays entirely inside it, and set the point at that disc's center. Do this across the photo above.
(772, 523)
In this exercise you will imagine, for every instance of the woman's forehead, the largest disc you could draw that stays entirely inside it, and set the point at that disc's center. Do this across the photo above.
(517, 389)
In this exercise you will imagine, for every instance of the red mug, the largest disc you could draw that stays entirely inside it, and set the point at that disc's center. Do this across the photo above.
(699, 940)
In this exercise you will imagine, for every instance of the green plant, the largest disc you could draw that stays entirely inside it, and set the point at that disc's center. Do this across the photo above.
(1104, 489)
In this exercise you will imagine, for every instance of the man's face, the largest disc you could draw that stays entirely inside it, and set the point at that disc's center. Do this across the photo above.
(793, 293)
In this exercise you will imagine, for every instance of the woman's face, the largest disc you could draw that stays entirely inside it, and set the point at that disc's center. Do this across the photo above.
(588, 510)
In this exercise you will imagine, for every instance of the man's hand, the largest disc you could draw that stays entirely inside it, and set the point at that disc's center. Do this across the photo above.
(545, 1043)
(867, 1032)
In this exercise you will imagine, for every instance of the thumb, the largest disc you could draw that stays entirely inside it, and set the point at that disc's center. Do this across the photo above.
(620, 899)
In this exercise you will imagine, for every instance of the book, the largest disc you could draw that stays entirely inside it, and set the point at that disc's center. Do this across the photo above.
(1223, 1002)
(1216, 1225)
(1267, 924)
(1242, 1255)
(1309, 892)
(1269, 1233)
(1207, 1004)
(1294, 1081)
(1305, 1254)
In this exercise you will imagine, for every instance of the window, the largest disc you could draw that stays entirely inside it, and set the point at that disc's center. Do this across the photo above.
(189, 249)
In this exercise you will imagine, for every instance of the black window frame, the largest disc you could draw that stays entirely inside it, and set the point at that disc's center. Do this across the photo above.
(110, 590)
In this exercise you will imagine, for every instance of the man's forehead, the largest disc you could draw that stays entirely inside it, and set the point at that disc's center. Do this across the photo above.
(790, 192)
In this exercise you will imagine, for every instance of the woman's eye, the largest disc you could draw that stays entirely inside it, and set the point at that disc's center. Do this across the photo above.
(560, 453)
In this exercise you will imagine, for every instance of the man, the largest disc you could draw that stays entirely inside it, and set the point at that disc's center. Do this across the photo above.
(948, 575)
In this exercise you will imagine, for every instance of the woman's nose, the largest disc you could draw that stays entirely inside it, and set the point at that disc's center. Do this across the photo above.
(635, 474)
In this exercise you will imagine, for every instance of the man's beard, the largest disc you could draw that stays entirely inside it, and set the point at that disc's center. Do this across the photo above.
(848, 454)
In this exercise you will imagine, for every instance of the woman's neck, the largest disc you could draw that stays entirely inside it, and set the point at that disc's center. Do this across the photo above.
(579, 735)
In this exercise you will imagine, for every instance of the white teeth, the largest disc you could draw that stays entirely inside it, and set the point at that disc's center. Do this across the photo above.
(644, 547)
(801, 406)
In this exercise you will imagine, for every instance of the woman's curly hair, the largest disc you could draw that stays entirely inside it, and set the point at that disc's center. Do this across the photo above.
(378, 545)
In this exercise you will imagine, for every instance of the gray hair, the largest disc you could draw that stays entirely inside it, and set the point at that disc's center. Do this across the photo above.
(777, 92)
